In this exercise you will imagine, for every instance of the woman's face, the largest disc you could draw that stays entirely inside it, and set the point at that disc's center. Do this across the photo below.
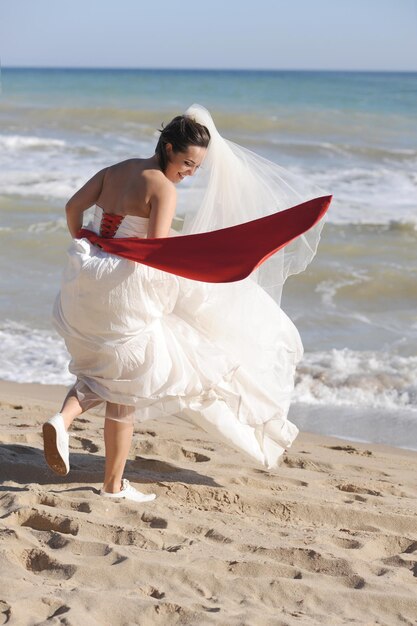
(182, 164)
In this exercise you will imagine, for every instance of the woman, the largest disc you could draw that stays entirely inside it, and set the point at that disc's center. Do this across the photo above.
(146, 342)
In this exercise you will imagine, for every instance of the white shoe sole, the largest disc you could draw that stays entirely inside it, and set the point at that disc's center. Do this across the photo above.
(52, 454)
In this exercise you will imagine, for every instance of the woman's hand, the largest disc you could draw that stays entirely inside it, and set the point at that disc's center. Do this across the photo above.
(82, 200)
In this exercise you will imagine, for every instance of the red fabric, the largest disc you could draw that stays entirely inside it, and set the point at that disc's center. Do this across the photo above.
(109, 224)
(218, 256)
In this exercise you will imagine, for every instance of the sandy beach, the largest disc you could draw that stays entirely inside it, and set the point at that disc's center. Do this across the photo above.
(330, 537)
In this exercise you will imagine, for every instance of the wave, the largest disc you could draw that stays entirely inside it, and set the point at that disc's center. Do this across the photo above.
(371, 202)
(382, 155)
(341, 377)
(51, 226)
(53, 168)
(370, 184)
(330, 287)
(33, 143)
(357, 378)
(294, 145)
(22, 142)
(32, 355)
(40, 184)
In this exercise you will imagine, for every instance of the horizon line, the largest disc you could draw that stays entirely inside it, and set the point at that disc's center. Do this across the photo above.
(202, 69)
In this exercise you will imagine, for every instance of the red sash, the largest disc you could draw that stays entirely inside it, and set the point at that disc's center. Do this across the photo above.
(218, 256)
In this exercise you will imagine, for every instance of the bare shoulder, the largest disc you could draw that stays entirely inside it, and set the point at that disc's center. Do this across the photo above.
(127, 164)
(158, 179)
(159, 185)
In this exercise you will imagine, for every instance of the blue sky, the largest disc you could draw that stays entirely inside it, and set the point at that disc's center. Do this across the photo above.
(264, 34)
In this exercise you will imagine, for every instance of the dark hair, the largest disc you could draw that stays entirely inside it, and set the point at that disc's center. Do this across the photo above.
(181, 132)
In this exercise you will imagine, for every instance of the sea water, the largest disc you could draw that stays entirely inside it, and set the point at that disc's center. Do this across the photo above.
(352, 133)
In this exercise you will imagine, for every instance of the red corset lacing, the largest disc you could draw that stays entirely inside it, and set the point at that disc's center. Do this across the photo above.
(109, 224)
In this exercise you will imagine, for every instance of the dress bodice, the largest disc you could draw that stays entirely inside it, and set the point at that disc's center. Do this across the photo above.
(124, 226)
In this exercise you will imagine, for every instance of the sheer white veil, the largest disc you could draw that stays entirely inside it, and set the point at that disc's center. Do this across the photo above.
(235, 185)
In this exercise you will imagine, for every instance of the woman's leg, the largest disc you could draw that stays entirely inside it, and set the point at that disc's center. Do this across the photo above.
(55, 432)
(117, 441)
(71, 408)
(117, 435)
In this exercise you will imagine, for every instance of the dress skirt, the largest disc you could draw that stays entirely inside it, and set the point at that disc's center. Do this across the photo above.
(145, 344)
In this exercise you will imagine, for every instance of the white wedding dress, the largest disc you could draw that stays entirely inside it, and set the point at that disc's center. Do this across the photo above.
(164, 345)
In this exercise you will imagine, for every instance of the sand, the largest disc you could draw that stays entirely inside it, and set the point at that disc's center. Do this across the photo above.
(330, 537)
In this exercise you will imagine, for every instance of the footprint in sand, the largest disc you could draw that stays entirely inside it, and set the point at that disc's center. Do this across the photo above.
(314, 562)
(345, 543)
(84, 444)
(350, 450)
(153, 521)
(171, 451)
(153, 592)
(411, 548)
(7, 533)
(5, 612)
(297, 462)
(38, 561)
(391, 545)
(216, 536)
(196, 457)
(52, 501)
(46, 521)
(356, 498)
(63, 608)
(125, 537)
(350, 488)
(151, 433)
(79, 546)
(174, 548)
(398, 561)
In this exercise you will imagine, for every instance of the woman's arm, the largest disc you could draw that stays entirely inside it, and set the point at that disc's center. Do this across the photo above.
(82, 200)
(163, 204)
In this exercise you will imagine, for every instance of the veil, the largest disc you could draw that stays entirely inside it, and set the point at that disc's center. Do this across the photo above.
(235, 185)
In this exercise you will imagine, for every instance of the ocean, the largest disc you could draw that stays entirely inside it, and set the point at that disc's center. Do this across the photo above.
(352, 133)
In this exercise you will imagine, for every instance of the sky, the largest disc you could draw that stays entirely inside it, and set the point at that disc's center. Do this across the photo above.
(218, 34)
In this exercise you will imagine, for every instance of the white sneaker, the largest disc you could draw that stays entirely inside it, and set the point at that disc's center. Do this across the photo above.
(56, 445)
(129, 493)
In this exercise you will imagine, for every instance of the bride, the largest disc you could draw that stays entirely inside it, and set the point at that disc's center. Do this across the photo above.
(145, 342)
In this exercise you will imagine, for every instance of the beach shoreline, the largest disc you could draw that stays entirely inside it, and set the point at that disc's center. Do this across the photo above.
(327, 537)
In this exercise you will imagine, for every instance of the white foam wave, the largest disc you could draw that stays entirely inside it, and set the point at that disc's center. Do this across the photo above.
(369, 195)
(24, 142)
(41, 183)
(32, 355)
(53, 168)
(329, 378)
(51, 226)
(357, 378)
(385, 154)
(372, 192)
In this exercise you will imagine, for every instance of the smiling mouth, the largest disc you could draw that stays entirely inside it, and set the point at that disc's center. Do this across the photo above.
(181, 176)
